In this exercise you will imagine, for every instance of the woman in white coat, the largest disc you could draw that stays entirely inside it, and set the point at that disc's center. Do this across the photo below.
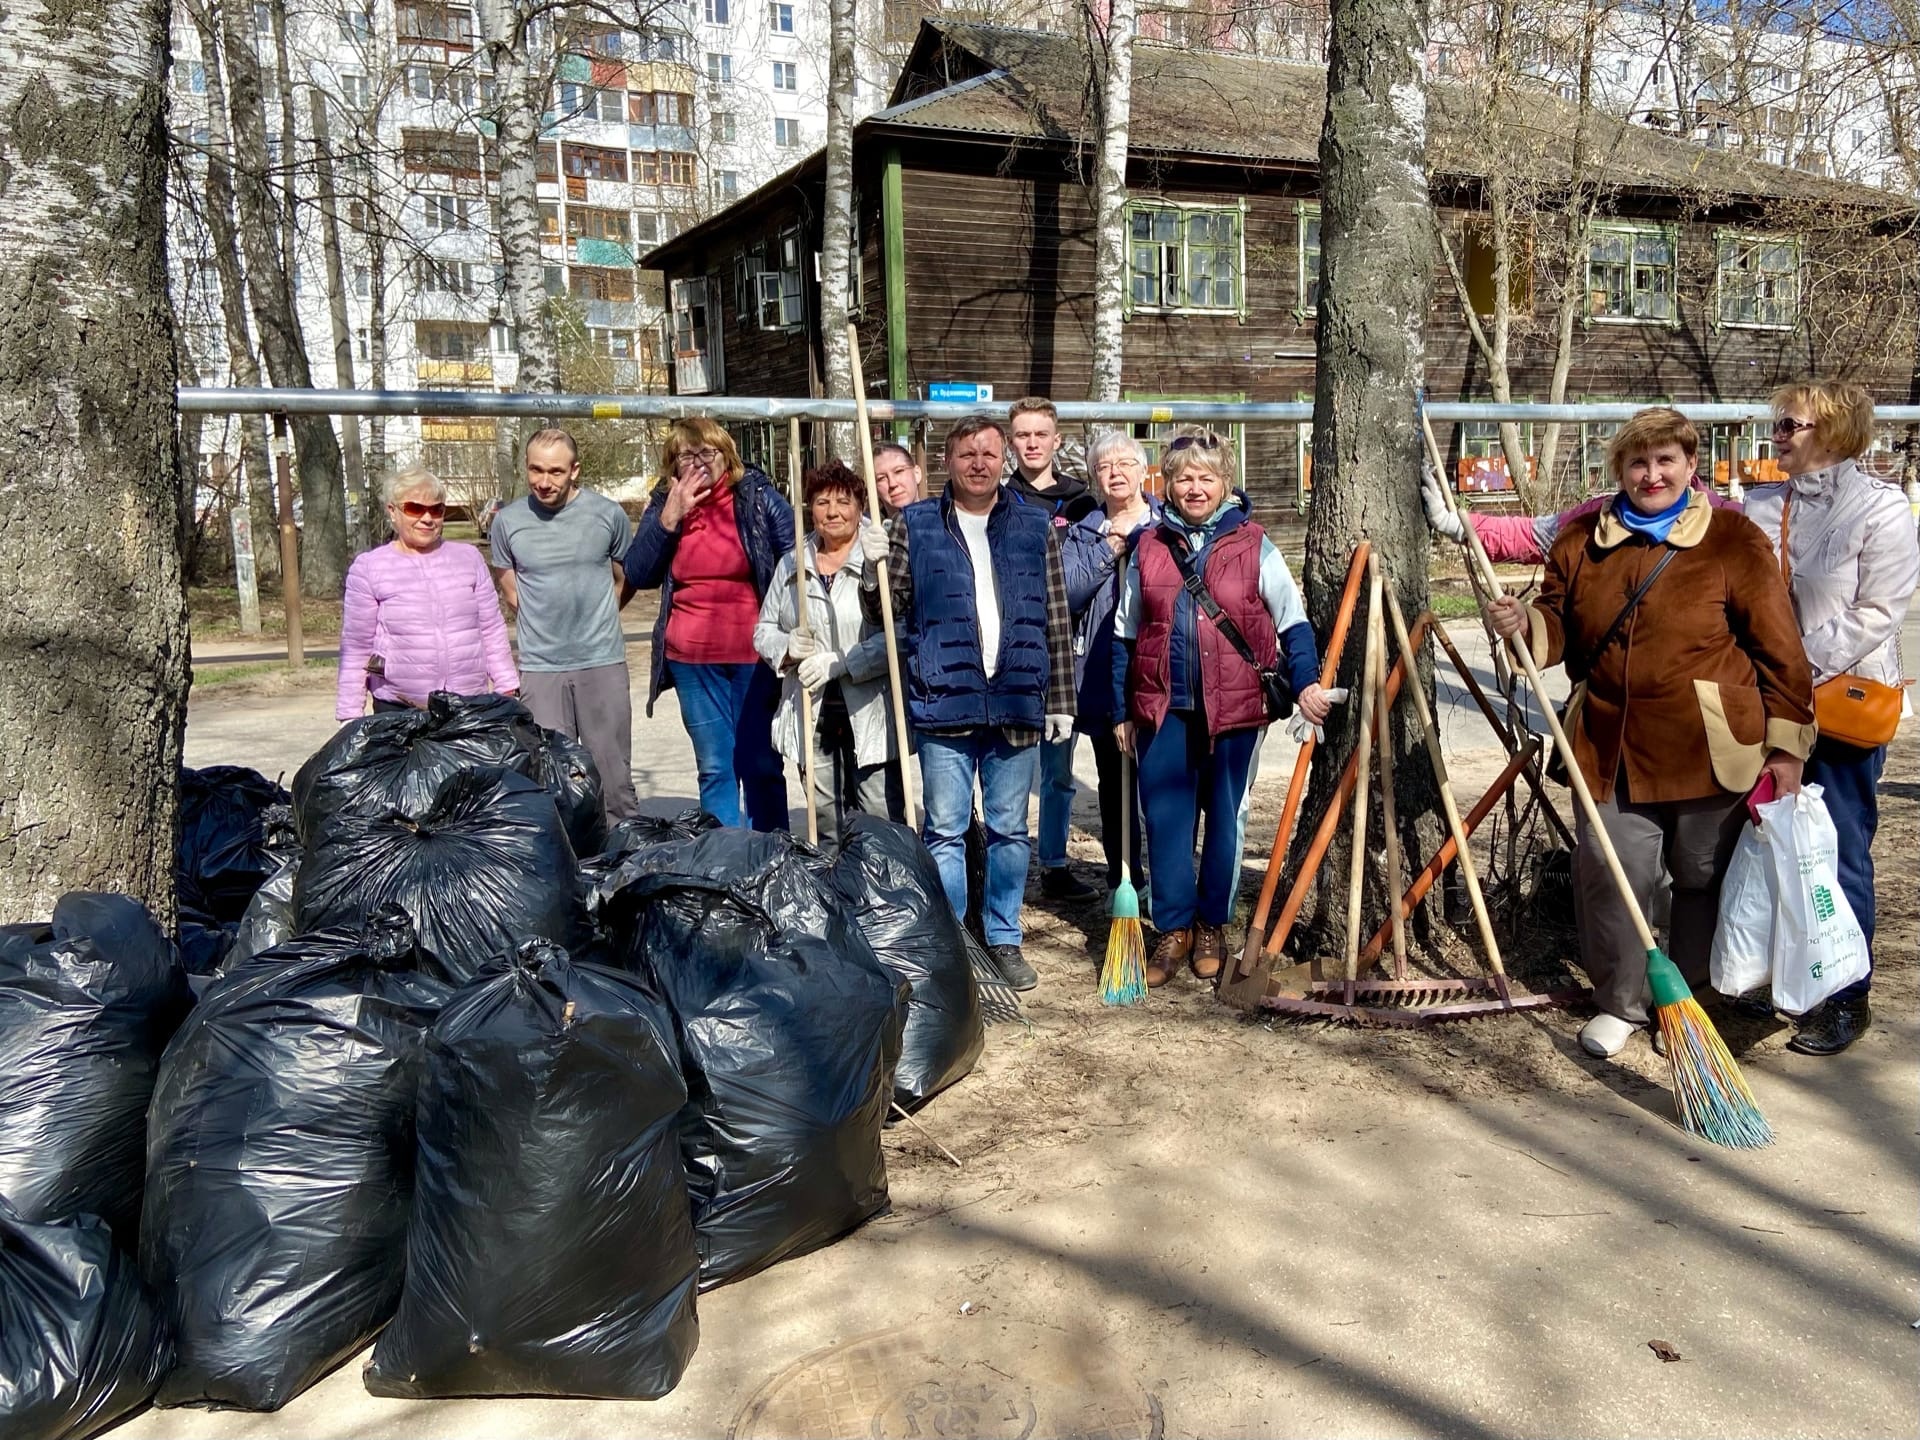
(1847, 545)
(841, 662)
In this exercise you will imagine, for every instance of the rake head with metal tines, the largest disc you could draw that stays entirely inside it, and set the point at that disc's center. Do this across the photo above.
(1410, 1004)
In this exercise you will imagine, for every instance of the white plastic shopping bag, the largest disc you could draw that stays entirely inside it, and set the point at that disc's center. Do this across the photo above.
(1818, 945)
(1743, 940)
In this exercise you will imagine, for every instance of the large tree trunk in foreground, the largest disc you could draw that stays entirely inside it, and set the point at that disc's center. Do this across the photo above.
(1376, 237)
(93, 622)
(323, 525)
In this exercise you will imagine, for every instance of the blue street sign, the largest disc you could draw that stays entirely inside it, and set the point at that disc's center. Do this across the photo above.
(956, 393)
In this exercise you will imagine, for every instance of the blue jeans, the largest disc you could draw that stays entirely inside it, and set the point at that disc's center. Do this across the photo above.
(1181, 780)
(728, 712)
(948, 766)
(1056, 800)
(1850, 778)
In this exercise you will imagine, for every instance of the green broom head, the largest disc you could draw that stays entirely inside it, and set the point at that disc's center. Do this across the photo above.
(1712, 1094)
(1126, 899)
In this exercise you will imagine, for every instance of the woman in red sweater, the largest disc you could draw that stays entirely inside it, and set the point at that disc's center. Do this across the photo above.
(709, 541)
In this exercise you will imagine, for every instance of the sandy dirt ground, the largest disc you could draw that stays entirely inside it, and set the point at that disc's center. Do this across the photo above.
(1176, 1220)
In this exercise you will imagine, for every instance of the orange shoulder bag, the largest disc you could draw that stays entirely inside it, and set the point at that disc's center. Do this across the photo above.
(1849, 708)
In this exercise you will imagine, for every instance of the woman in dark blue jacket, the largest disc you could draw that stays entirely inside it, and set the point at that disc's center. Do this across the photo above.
(712, 534)
(1093, 553)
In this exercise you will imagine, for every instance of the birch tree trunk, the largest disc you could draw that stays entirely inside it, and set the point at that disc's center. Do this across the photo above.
(323, 531)
(254, 487)
(376, 239)
(358, 516)
(1113, 75)
(1376, 241)
(836, 237)
(93, 692)
(521, 90)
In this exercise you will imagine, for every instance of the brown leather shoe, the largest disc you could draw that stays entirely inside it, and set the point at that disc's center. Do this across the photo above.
(1209, 945)
(1168, 951)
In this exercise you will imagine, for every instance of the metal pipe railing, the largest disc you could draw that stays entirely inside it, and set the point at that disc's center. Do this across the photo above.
(264, 401)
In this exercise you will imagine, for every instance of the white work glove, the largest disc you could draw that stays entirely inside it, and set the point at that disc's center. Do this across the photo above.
(874, 544)
(817, 669)
(1442, 518)
(1300, 727)
(1059, 729)
(801, 644)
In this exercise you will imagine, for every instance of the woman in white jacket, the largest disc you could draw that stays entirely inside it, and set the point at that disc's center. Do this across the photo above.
(1846, 541)
(842, 663)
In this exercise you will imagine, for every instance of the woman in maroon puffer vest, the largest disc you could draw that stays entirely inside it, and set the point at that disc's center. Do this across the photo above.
(1194, 708)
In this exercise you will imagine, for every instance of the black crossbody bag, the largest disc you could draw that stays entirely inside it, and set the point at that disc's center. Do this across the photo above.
(1273, 685)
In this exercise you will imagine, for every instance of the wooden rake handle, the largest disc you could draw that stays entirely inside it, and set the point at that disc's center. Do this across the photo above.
(1297, 782)
(800, 622)
(1330, 821)
(865, 432)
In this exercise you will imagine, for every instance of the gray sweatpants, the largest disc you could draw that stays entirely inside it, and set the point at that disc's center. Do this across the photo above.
(1690, 841)
(595, 707)
(841, 785)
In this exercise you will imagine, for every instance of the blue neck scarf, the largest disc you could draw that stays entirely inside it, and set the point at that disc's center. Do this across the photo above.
(1657, 526)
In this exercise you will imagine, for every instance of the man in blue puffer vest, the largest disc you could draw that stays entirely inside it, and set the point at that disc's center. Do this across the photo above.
(980, 599)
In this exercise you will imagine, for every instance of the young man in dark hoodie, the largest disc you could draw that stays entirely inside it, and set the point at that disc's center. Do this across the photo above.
(1034, 425)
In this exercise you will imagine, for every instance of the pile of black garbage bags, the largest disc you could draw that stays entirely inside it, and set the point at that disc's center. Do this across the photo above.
(439, 1060)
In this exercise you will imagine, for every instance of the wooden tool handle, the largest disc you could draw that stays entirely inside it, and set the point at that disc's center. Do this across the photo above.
(802, 625)
(880, 573)
(1297, 782)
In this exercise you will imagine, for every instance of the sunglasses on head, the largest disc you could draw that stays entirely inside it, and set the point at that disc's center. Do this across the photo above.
(415, 509)
(1206, 440)
(1787, 426)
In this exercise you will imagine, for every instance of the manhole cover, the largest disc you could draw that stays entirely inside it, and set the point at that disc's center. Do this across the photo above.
(970, 1380)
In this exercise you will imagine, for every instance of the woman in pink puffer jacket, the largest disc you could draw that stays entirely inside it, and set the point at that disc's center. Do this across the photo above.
(421, 614)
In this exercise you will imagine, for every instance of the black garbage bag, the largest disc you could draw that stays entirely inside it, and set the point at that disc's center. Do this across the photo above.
(280, 1162)
(483, 865)
(87, 1004)
(789, 1030)
(204, 942)
(225, 850)
(627, 838)
(399, 760)
(891, 884)
(269, 918)
(551, 1247)
(565, 767)
(81, 1343)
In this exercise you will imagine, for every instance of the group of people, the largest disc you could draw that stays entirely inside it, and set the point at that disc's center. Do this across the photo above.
(1032, 608)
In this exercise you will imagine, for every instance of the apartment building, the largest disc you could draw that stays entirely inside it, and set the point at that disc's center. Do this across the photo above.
(647, 131)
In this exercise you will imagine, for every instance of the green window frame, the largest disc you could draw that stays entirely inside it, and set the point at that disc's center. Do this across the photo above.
(1757, 280)
(1307, 271)
(1154, 434)
(1633, 274)
(1187, 259)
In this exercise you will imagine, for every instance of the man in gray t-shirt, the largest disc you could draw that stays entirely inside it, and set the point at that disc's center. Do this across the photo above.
(557, 553)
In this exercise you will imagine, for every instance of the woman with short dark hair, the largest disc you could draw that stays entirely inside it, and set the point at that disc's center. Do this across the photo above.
(841, 663)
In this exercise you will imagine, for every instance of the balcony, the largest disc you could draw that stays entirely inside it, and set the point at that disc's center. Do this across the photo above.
(428, 371)
(612, 314)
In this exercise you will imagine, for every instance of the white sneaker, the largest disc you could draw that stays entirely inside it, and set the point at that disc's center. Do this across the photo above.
(1606, 1035)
